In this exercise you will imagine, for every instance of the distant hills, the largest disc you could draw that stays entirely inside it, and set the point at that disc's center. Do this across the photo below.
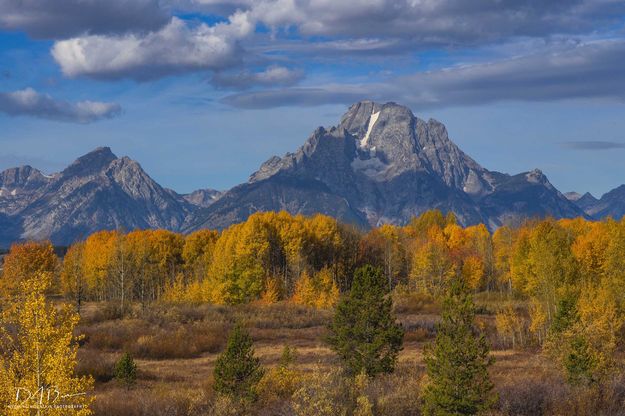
(380, 164)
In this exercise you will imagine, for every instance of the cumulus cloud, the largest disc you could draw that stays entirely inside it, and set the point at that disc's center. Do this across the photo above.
(589, 70)
(65, 18)
(593, 145)
(274, 75)
(176, 48)
(28, 102)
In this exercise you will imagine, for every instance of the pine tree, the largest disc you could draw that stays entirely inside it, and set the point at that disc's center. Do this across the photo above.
(579, 362)
(363, 332)
(126, 371)
(458, 361)
(237, 370)
(38, 355)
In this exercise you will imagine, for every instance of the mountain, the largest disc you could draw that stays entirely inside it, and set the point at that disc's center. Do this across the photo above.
(202, 197)
(584, 202)
(611, 204)
(381, 164)
(97, 191)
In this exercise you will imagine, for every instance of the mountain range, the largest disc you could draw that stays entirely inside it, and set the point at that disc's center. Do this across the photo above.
(380, 164)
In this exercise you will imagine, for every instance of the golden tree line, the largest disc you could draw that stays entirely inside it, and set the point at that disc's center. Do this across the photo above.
(310, 260)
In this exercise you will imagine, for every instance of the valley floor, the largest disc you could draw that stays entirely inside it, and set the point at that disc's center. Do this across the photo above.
(175, 348)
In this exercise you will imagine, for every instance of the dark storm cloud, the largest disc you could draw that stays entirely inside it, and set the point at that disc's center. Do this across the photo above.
(54, 19)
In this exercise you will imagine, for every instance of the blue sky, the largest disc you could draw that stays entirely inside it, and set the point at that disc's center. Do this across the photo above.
(201, 92)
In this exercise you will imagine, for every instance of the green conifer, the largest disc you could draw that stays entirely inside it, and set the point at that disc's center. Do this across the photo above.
(364, 332)
(126, 370)
(237, 370)
(458, 360)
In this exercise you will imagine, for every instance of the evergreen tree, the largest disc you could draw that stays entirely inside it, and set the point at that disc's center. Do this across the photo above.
(579, 362)
(237, 370)
(458, 361)
(363, 331)
(126, 370)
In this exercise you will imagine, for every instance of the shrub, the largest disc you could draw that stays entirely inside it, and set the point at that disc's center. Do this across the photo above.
(184, 342)
(95, 364)
(323, 393)
(279, 383)
(409, 302)
(154, 402)
(397, 394)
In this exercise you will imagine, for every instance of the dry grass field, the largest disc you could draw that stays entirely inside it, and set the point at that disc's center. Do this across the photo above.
(175, 348)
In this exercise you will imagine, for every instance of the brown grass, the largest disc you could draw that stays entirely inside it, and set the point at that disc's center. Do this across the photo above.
(176, 348)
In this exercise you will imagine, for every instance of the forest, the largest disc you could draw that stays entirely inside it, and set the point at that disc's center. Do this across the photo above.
(297, 315)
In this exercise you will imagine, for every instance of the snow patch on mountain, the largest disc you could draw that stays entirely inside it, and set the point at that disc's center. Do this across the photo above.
(372, 120)
(373, 167)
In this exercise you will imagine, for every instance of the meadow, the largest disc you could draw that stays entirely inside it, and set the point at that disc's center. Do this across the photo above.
(176, 348)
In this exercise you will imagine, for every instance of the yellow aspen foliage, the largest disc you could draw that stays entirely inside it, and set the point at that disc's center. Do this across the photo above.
(26, 260)
(503, 243)
(38, 356)
(195, 292)
(99, 254)
(318, 291)
(304, 291)
(176, 292)
(510, 326)
(327, 291)
(197, 252)
(576, 226)
(473, 272)
(457, 238)
(590, 250)
(271, 294)
(420, 225)
(520, 268)
(72, 275)
(543, 263)
(538, 320)
(241, 261)
(600, 323)
(431, 264)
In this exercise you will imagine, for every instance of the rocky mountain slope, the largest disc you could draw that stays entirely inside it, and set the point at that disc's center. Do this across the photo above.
(382, 164)
(611, 204)
(97, 191)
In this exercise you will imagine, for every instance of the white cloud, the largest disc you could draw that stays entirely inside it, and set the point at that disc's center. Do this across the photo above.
(28, 102)
(175, 48)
